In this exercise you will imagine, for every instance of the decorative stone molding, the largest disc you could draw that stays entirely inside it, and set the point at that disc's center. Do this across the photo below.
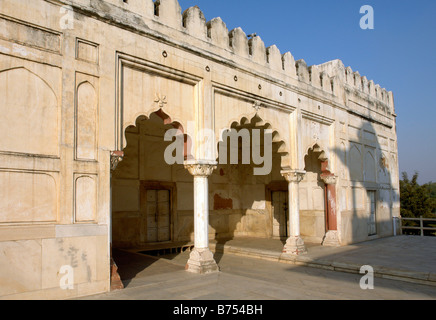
(384, 162)
(160, 100)
(200, 169)
(257, 105)
(293, 175)
(329, 179)
(316, 131)
(116, 158)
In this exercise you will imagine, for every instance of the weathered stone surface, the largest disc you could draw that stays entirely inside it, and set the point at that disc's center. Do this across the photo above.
(201, 261)
(91, 88)
(116, 283)
(331, 239)
(294, 246)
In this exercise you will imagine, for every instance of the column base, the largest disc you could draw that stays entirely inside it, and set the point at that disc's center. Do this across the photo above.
(116, 283)
(331, 239)
(201, 261)
(294, 247)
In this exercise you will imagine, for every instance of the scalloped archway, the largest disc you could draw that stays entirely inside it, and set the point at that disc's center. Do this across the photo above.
(256, 122)
(167, 121)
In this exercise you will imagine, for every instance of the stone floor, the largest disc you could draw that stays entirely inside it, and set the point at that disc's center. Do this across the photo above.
(405, 258)
(250, 270)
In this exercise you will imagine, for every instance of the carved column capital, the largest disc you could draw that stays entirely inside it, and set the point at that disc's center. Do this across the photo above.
(198, 169)
(293, 175)
(116, 158)
(329, 179)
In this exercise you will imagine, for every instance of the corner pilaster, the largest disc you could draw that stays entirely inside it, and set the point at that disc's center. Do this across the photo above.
(331, 237)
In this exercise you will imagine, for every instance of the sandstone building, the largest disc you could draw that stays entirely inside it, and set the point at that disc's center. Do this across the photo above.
(89, 89)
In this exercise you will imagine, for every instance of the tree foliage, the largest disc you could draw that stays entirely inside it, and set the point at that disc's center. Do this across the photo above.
(415, 200)
(431, 186)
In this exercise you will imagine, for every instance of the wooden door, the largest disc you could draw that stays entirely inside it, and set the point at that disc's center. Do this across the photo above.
(158, 215)
(280, 214)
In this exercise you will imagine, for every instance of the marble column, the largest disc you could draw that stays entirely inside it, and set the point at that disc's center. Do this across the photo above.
(294, 244)
(331, 237)
(201, 258)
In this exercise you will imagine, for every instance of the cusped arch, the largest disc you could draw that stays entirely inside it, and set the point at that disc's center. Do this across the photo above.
(133, 122)
(166, 120)
(257, 122)
(318, 148)
(318, 151)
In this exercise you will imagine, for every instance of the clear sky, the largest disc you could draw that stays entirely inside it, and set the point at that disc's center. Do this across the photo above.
(399, 54)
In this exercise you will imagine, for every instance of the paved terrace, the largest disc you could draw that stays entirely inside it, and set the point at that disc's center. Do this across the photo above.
(253, 269)
(405, 258)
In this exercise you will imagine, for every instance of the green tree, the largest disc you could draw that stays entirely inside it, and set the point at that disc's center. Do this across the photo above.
(415, 200)
(431, 186)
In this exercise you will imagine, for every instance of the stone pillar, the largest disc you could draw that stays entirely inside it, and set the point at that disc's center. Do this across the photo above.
(331, 237)
(201, 258)
(294, 245)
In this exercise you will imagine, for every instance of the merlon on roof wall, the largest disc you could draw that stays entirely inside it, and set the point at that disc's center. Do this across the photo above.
(193, 22)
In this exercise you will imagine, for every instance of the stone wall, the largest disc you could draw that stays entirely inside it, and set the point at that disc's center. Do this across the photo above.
(74, 75)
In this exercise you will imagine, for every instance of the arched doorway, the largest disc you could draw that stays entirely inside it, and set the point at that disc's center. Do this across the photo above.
(151, 196)
(318, 199)
(247, 180)
(145, 188)
(312, 197)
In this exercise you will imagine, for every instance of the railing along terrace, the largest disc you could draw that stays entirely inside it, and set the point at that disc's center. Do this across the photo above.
(422, 227)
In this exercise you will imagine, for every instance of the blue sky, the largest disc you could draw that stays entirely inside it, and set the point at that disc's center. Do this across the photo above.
(399, 54)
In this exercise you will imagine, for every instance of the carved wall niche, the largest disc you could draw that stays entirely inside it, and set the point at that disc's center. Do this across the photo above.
(29, 113)
(86, 117)
(28, 197)
(85, 198)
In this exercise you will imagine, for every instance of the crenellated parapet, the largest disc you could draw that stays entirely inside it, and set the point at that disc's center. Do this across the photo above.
(332, 78)
(357, 91)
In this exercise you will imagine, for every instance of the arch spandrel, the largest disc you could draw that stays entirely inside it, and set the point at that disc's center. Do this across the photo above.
(144, 92)
(316, 134)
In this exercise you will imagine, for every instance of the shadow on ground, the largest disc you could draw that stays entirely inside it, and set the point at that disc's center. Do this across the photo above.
(404, 258)
(134, 265)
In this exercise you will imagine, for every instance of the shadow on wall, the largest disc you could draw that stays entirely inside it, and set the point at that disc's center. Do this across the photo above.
(240, 201)
(313, 214)
(369, 195)
(144, 197)
(145, 221)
